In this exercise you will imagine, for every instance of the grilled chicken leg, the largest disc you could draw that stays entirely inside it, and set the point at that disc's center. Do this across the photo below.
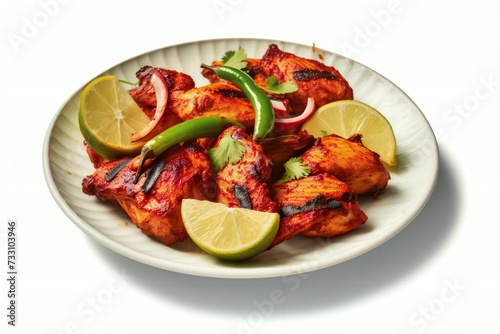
(314, 79)
(350, 161)
(154, 202)
(319, 205)
(245, 183)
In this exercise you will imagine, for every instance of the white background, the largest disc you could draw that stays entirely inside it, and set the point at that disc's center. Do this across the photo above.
(439, 275)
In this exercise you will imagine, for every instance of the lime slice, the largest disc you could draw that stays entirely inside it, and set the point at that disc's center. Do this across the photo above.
(348, 117)
(228, 233)
(109, 116)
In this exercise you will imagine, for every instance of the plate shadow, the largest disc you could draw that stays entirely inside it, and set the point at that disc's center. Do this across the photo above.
(334, 287)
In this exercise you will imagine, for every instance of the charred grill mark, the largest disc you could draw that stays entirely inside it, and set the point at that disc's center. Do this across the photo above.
(231, 93)
(152, 175)
(253, 71)
(318, 202)
(308, 74)
(242, 196)
(255, 173)
(111, 174)
(170, 81)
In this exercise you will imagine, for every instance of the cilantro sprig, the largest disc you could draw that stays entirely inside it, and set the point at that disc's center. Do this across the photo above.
(235, 59)
(294, 170)
(273, 86)
(229, 150)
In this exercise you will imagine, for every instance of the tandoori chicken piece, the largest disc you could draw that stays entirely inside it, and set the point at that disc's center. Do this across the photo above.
(217, 99)
(350, 161)
(220, 99)
(319, 205)
(314, 79)
(144, 94)
(280, 149)
(154, 202)
(244, 183)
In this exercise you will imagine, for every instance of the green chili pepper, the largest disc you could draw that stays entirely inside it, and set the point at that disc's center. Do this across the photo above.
(202, 127)
(264, 111)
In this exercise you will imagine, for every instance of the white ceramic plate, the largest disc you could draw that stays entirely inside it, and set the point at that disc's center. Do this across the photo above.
(66, 164)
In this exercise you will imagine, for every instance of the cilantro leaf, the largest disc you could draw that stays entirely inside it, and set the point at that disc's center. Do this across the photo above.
(229, 151)
(294, 170)
(273, 86)
(236, 59)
